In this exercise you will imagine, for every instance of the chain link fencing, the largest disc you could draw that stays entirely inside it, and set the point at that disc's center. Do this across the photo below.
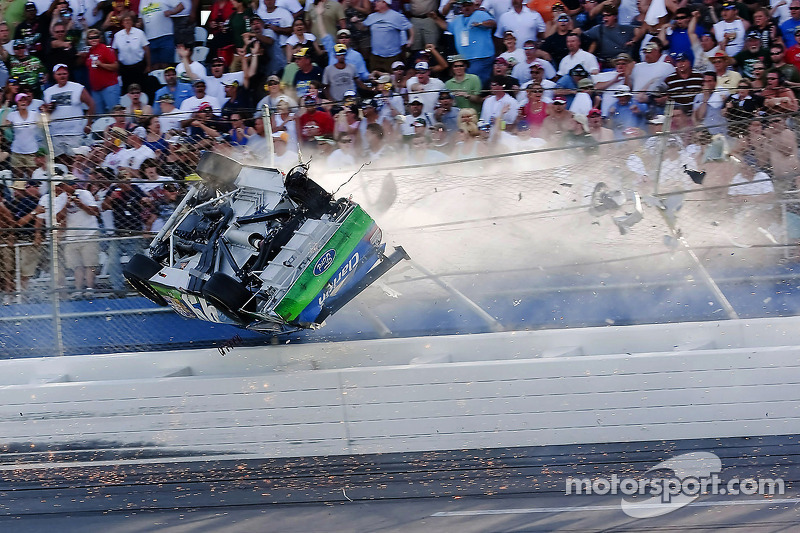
(638, 211)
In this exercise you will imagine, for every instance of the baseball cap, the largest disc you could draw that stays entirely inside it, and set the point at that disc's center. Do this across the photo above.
(166, 97)
(369, 102)
(340, 49)
(169, 68)
(679, 56)
(349, 94)
(301, 53)
(728, 5)
(500, 61)
(19, 44)
(623, 90)
(415, 100)
(280, 136)
(218, 59)
(343, 32)
(204, 106)
(29, 5)
(230, 83)
(199, 81)
(422, 65)
(585, 83)
(623, 57)
(445, 95)
(398, 64)
(60, 65)
(594, 112)
(754, 35)
(559, 100)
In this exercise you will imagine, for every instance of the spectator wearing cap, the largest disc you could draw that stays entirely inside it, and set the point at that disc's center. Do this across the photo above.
(445, 112)
(307, 71)
(522, 71)
(235, 99)
(577, 56)
(326, 17)
(101, 61)
(65, 103)
(726, 77)
(274, 95)
(415, 106)
(731, 30)
(707, 106)
(524, 23)
(557, 122)
(178, 90)
(392, 104)
(284, 158)
(283, 119)
(626, 113)
(315, 115)
(351, 56)
(584, 99)
(182, 20)
(555, 44)
(133, 51)
(136, 109)
(752, 53)
(387, 27)
(424, 86)
(339, 77)
(426, 32)
(33, 30)
(344, 156)
(610, 38)
(704, 44)
(371, 115)
(608, 82)
(501, 68)
(513, 54)
(651, 72)
(218, 78)
(193, 103)
(676, 36)
(777, 97)
(25, 123)
(570, 81)
(158, 30)
(790, 26)
(499, 106)
(683, 84)
(472, 30)
(27, 69)
(137, 152)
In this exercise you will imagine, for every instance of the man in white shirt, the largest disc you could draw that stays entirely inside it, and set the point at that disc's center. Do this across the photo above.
(192, 69)
(133, 52)
(731, 29)
(216, 81)
(137, 152)
(277, 19)
(524, 23)
(170, 117)
(577, 56)
(65, 101)
(648, 74)
(193, 103)
(499, 105)
(427, 88)
(82, 249)
(522, 71)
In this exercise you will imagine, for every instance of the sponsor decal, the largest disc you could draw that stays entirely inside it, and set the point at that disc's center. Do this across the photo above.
(324, 262)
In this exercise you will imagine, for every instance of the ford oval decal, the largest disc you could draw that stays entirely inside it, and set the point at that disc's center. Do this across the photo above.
(324, 262)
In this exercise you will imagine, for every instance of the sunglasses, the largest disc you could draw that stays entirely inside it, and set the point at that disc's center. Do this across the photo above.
(459, 66)
(345, 141)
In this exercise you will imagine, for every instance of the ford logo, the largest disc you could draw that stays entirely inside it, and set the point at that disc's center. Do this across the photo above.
(324, 262)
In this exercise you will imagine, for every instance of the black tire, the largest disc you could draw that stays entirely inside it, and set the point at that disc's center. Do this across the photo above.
(140, 269)
(229, 295)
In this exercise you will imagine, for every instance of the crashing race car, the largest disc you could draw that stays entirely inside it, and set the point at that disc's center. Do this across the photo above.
(247, 247)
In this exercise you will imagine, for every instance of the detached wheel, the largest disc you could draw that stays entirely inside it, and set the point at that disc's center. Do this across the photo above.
(140, 269)
(229, 295)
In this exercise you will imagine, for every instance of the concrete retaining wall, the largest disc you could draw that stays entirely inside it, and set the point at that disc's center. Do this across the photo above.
(634, 383)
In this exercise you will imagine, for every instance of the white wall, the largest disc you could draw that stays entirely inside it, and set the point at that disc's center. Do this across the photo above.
(504, 389)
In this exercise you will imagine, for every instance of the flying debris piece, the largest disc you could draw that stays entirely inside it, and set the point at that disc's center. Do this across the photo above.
(768, 235)
(565, 184)
(670, 241)
(519, 198)
(387, 195)
(607, 201)
(697, 175)
(671, 205)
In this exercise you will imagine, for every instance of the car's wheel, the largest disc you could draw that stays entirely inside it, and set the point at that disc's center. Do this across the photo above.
(229, 295)
(140, 269)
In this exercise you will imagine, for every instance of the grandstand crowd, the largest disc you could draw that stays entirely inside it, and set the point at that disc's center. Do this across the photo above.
(136, 90)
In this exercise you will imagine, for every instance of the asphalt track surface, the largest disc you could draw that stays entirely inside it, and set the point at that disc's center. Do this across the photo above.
(499, 490)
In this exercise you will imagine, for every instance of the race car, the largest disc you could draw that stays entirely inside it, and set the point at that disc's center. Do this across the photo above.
(251, 247)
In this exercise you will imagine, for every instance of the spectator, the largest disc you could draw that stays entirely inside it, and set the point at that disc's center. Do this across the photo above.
(445, 112)
(610, 38)
(555, 44)
(25, 210)
(60, 50)
(339, 77)
(33, 30)
(424, 86)
(790, 73)
(473, 31)
(325, 17)
(344, 156)
(25, 123)
(726, 77)
(386, 27)
(524, 23)
(707, 106)
(169, 119)
(215, 82)
(133, 52)
(377, 149)
(137, 152)
(577, 56)
(283, 120)
(651, 72)
(65, 101)
(125, 204)
(465, 87)
(752, 53)
(704, 46)
(137, 109)
(557, 122)
(683, 84)
(193, 103)
(533, 113)
(777, 97)
(178, 90)
(499, 106)
(6, 42)
(284, 158)
(352, 57)
(584, 100)
(158, 30)
(239, 132)
(163, 201)
(609, 82)
(789, 27)
(522, 71)
(513, 54)
(415, 106)
(426, 32)
(27, 69)
(625, 113)
(149, 172)
(81, 247)
(103, 67)
(731, 29)
(307, 72)
(276, 18)
(220, 41)
(740, 108)
(113, 21)
(235, 99)
(677, 37)
(792, 55)
(765, 28)
(299, 38)
(182, 21)
(155, 139)
(274, 95)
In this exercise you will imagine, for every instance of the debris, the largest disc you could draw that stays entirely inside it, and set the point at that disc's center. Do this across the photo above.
(697, 175)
